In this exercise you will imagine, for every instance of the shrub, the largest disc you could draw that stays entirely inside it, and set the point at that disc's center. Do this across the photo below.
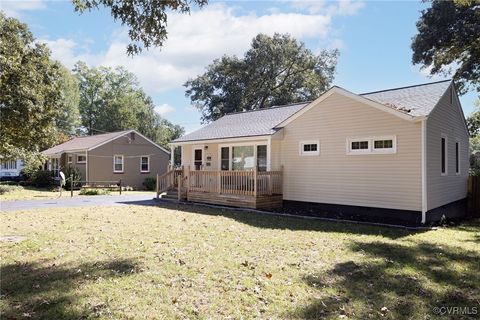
(42, 178)
(77, 176)
(150, 183)
(93, 192)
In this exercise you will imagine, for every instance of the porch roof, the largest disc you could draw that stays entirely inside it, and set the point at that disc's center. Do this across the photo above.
(244, 124)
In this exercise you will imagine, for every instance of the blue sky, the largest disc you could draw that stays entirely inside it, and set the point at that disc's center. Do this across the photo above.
(373, 38)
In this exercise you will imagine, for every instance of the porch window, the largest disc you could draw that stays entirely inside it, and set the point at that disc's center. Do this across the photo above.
(118, 163)
(243, 158)
(55, 166)
(225, 158)
(81, 159)
(262, 158)
(145, 164)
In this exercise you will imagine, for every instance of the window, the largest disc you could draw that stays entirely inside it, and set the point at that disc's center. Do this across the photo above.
(309, 148)
(118, 163)
(457, 158)
(372, 145)
(55, 166)
(145, 164)
(81, 159)
(242, 158)
(9, 165)
(444, 155)
(224, 158)
(69, 159)
(262, 158)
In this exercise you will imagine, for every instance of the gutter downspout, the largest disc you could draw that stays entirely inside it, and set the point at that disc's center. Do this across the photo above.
(424, 170)
(86, 165)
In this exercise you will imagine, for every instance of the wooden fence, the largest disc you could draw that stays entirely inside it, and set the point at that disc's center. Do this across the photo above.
(474, 196)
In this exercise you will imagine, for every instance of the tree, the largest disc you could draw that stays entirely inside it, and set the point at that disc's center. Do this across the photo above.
(274, 71)
(112, 100)
(448, 38)
(473, 121)
(30, 92)
(146, 19)
(68, 118)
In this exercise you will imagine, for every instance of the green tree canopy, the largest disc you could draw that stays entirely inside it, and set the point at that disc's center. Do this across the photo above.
(448, 38)
(274, 71)
(30, 92)
(146, 19)
(68, 119)
(112, 100)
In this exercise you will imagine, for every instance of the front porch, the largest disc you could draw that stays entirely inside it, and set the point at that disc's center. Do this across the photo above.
(247, 188)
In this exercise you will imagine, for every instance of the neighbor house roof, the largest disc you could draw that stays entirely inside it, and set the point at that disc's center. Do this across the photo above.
(244, 124)
(417, 101)
(90, 142)
(407, 102)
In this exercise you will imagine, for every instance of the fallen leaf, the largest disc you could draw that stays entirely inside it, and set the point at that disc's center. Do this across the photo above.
(268, 275)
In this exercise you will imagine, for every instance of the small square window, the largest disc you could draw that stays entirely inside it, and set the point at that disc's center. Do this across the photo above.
(70, 159)
(81, 159)
(309, 148)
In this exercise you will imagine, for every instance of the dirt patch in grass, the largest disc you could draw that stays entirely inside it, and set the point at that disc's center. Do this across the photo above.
(179, 262)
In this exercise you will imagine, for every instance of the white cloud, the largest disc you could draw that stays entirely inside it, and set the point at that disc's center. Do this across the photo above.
(13, 8)
(195, 40)
(341, 7)
(164, 109)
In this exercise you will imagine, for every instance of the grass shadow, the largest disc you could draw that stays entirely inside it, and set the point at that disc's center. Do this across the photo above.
(397, 282)
(47, 291)
(271, 221)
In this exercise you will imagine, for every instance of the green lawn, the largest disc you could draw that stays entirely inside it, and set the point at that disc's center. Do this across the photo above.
(31, 193)
(189, 262)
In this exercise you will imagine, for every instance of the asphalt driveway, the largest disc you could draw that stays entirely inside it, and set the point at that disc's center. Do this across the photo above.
(79, 201)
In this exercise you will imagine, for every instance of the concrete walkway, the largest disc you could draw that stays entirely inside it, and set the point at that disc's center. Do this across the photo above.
(79, 201)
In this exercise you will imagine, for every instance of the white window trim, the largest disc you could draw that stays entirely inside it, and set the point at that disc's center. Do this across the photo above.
(371, 145)
(446, 155)
(301, 152)
(123, 163)
(148, 164)
(69, 158)
(459, 158)
(243, 144)
(81, 155)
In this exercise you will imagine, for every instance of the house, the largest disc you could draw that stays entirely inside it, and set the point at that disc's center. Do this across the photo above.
(400, 152)
(10, 169)
(125, 155)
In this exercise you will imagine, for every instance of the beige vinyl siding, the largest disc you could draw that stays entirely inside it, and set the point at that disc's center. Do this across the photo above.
(100, 161)
(276, 157)
(374, 180)
(446, 119)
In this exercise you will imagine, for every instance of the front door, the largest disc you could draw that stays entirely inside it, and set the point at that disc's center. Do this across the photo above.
(198, 159)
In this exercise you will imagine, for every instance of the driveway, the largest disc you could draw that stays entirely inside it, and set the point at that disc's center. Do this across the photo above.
(79, 201)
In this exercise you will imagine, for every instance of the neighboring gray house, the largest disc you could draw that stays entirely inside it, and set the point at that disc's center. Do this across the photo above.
(10, 168)
(403, 150)
(126, 155)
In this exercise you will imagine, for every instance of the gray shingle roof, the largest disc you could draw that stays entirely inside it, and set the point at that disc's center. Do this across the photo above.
(416, 100)
(82, 143)
(244, 124)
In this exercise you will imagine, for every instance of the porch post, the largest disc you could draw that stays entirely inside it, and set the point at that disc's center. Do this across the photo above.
(269, 154)
(172, 155)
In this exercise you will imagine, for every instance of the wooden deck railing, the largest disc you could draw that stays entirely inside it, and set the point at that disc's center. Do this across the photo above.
(247, 183)
(168, 180)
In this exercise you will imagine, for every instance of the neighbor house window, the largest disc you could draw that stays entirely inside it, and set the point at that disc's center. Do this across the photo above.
(372, 145)
(9, 165)
(118, 163)
(243, 158)
(145, 164)
(69, 159)
(457, 158)
(444, 147)
(81, 159)
(309, 148)
(224, 158)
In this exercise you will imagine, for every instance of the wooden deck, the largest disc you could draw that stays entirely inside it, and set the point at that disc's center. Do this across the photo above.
(245, 189)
